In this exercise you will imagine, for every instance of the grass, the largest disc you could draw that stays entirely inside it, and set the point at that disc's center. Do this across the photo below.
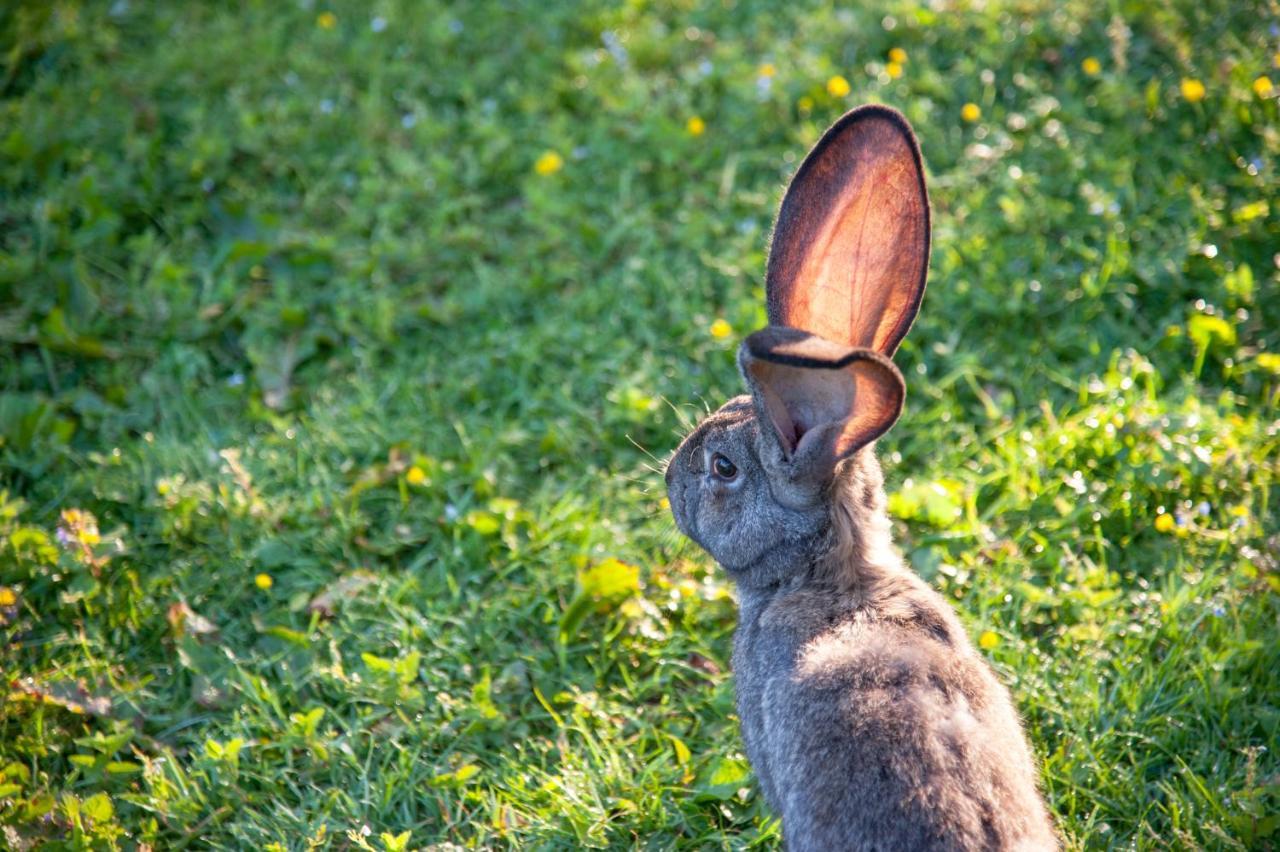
(295, 290)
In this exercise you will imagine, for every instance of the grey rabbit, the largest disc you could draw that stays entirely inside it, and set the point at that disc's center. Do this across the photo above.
(870, 721)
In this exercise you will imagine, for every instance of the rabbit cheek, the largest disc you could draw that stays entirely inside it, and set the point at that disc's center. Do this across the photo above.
(683, 506)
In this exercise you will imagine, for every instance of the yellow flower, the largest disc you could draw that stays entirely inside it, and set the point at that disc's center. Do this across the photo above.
(695, 125)
(263, 581)
(415, 475)
(805, 104)
(837, 87)
(549, 163)
(970, 112)
(898, 55)
(894, 70)
(988, 640)
(7, 596)
(1192, 90)
(79, 526)
(1091, 66)
(1165, 522)
(768, 70)
(720, 329)
(327, 20)
(1262, 87)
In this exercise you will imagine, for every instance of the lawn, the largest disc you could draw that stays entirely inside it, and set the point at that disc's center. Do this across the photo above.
(342, 345)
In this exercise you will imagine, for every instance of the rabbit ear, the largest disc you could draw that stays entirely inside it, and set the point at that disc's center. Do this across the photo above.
(823, 400)
(851, 246)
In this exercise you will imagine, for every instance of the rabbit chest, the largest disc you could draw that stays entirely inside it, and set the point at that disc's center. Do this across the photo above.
(765, 653)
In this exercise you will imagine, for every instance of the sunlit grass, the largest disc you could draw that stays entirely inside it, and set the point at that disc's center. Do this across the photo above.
(342, 346)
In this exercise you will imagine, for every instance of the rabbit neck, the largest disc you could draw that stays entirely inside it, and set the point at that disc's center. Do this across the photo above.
(853, 554)
(859, 551)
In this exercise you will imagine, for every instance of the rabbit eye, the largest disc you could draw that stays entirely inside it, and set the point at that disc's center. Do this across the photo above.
(723, 468)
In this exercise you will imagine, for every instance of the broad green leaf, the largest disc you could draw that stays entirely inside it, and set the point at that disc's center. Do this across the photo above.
(682, 751)
(601, 587)
(723, 779)
(456, 778)
(395, 843)
(1205, 330)
(378, 664)
(293, 637)
(1269, 361)
(406, 668)
(610, 580)
(485, 523)
(937, 503)
(123, 767)
(98, 808)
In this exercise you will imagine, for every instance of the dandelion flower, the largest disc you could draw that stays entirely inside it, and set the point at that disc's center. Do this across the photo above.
(7, 597)
(970, 112)
(1262, 87)
(415, 475)
(549, 163)
(327, 20)
(898, 55)
(696, 126)
(1192, 90)
(1165, 522)
(988, 640)
(1091, 66)
(720, 329)
(768, 70)
(894, 70)
(838, 87)
(263, 581)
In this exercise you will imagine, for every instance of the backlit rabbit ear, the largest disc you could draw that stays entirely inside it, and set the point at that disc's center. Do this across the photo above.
(824, 400)
(851, 247)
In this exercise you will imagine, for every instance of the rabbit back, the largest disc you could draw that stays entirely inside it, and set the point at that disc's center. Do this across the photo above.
(880, 728)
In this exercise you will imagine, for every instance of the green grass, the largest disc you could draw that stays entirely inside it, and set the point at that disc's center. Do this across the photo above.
(286, 299)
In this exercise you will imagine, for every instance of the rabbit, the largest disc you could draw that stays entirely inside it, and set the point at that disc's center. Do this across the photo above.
(869, 719)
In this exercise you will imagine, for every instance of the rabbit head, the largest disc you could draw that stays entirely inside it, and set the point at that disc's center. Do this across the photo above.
(752, 484)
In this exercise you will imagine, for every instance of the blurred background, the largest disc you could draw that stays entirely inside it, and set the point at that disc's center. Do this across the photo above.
(341, 343)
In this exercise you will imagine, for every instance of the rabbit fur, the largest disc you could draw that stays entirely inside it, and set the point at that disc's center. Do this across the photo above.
(868, 717)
